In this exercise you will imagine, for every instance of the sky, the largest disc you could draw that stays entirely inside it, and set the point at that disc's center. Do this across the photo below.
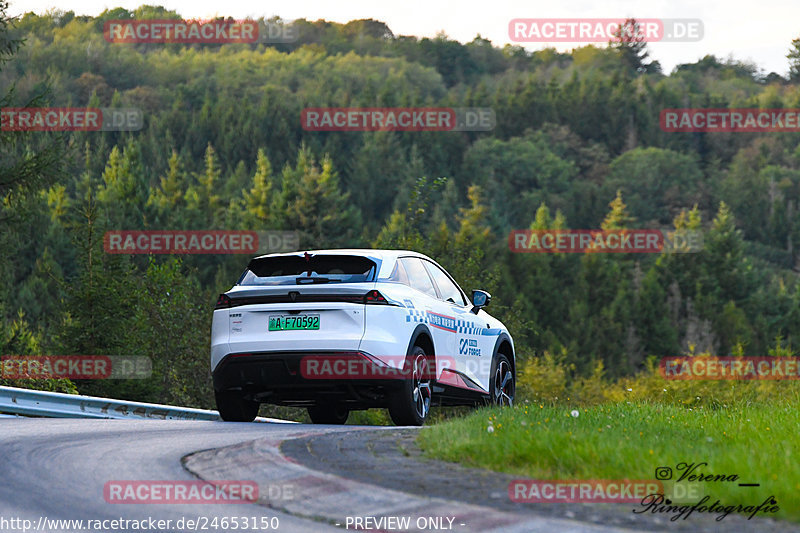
(759, 32)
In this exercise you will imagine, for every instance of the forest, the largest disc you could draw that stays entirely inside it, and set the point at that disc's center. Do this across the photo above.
(577, 144)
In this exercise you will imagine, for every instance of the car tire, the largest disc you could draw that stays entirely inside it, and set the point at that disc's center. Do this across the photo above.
(409, 404)
(328, 414)
(503, 384)
(234, 407)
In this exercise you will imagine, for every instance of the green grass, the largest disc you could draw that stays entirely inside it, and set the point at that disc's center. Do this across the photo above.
(759, 443)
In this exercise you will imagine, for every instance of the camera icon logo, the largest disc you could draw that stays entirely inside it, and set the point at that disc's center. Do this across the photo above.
(663, 473)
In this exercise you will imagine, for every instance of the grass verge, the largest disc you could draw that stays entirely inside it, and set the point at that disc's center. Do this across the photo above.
(757, 442)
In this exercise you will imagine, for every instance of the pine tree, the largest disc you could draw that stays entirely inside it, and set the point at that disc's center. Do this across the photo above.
(653, 319)
(209, 180)
(632, 47)
(312, 202)
(23, 170)
(122, 195)
(474, 249)
(618, 217)
(258, 200)
(203, 202)
(725, 262)
(405, 228)
(169, 195)
(794, 60)
(543, 220)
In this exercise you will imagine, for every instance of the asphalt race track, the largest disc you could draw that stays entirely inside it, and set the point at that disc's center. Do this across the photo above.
(57, 469)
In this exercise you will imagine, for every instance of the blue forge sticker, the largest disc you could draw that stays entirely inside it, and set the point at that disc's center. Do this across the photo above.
(468, 347)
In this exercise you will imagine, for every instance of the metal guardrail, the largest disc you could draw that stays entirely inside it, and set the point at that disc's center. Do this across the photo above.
(30, 402)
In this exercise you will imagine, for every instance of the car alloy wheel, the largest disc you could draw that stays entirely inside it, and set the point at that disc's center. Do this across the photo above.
(503, 383)
(422, 386)
(410, 403)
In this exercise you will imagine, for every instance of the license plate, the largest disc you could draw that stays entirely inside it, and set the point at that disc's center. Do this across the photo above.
(293, 322)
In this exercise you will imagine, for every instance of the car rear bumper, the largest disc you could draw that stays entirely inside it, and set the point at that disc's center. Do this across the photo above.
(281, 378)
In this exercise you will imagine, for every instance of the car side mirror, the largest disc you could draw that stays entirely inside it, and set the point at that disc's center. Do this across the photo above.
(480, 299)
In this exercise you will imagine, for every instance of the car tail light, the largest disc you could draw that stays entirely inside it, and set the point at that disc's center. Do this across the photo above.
(374, 297)
(223, 302)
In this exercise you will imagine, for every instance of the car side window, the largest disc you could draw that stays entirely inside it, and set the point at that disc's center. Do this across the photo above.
(447, 288)
(418, 277)
(399, 274)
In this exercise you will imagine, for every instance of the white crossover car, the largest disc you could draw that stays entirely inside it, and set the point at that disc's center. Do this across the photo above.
(340, 330)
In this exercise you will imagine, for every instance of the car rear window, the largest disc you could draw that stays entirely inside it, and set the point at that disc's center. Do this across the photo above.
(313, 269)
